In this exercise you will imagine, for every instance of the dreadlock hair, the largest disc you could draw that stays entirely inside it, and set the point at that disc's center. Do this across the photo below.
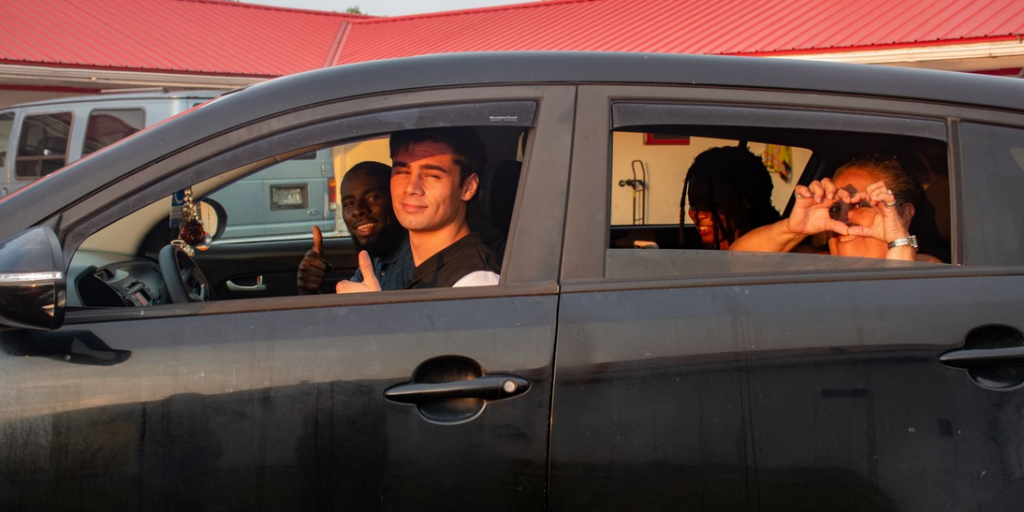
(718, 171)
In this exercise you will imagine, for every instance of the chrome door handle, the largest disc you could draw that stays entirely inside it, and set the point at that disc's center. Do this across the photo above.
(968, 358)
(488, 387)
(258, 287)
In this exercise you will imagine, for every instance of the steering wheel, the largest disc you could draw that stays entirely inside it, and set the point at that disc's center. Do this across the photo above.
(182, 277)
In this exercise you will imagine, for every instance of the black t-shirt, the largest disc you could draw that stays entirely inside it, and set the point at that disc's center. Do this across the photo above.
(466, 256)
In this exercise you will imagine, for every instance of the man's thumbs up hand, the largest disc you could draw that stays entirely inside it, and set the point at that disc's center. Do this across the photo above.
(370, 282)
(313, 268)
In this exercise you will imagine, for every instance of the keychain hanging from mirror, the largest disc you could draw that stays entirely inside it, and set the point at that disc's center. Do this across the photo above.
(191, 234)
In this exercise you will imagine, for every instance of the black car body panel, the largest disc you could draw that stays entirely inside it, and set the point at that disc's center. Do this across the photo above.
(658, 380)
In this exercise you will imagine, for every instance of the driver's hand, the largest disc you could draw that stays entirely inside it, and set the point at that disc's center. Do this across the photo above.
(370, 282)
(313, 268)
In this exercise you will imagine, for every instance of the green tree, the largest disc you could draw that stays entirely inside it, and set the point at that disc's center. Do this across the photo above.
(354, 10)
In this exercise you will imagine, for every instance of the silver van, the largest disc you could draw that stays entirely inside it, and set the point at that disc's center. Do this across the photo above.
(41, 137)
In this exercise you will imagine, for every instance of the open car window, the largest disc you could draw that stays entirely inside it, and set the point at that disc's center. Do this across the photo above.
(258, 217)
(686, 182)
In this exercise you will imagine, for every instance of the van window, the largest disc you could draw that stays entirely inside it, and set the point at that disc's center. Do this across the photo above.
(109, 126)
(6, 123)
(43, 147)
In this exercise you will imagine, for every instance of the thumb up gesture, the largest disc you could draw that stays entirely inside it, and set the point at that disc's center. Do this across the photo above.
(370, 282)
(313, 267)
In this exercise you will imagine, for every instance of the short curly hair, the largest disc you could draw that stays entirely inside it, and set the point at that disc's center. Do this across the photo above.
(888, 168)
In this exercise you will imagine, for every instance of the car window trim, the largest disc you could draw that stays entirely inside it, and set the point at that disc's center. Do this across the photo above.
(258, 305)
(300, 137)
(533, 252)
(634, 114)
(588, 218)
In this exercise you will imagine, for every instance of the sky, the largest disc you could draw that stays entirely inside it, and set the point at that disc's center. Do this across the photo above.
(387, 7)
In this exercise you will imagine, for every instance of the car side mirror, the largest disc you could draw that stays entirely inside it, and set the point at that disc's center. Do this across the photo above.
(32, 280)
(215, 218)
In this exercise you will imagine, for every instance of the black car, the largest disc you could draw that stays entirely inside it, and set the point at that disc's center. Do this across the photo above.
(679, 378)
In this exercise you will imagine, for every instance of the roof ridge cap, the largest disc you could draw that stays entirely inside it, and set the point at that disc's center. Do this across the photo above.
(461, 12)
(245, 5)
(338, 44)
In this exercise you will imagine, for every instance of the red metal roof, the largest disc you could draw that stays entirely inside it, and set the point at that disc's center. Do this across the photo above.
(730, 27)
(198, 36)
(225, 38)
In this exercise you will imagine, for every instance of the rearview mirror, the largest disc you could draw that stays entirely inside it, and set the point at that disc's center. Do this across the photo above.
(32, 280)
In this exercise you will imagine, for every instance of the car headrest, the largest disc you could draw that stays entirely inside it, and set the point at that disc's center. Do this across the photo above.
(498, 193)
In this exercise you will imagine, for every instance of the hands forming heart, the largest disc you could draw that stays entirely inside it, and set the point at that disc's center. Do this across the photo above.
(821, 206)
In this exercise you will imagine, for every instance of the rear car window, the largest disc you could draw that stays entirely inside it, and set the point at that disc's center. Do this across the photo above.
(682, 195)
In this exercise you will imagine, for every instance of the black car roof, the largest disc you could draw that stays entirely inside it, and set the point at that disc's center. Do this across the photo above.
(327, 85)
(641, 68)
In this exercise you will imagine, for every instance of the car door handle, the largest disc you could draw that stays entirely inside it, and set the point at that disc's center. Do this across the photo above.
(488, 387)
(258, 287)
(969, 358)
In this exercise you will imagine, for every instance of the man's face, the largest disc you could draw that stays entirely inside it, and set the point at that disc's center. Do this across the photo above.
(425, 188)
(366, 207)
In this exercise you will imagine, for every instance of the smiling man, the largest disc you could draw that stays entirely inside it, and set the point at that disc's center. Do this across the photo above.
(367, 212)
(434, 174)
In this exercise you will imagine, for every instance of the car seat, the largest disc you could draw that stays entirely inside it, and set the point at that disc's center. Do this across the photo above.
(498, 190)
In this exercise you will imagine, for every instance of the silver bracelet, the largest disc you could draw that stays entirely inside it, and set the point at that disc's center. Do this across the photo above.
(900, 242)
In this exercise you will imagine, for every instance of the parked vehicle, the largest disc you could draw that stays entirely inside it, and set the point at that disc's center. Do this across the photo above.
(39, 138)
(666, 379)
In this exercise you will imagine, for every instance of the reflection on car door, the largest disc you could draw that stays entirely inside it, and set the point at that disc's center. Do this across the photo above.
(651, 407)
(279, 405)
(832, 379)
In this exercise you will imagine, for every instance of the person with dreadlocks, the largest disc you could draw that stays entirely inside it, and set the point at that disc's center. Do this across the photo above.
(866, 209)
(729, 192)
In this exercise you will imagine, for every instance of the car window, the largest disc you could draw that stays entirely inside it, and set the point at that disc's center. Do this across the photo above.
(43, 145)
(262, 214)
(106, 127)
(993, 176)
(649, 170)
(287, 198)
(6, 124)
(686, 200)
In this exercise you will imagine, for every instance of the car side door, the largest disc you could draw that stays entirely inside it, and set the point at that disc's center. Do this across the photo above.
(859, 383)
(280, 404)
(651, 409)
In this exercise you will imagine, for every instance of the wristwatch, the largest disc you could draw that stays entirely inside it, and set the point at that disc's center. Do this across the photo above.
(900, 242)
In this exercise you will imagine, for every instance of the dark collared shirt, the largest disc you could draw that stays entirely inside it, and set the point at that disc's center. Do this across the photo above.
(395, 270)
(468, 255)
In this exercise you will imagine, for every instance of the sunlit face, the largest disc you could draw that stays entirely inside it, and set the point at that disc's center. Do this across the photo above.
(706, 229)
(860, 214)
(425, 188)
(366, 206)
(701, 198)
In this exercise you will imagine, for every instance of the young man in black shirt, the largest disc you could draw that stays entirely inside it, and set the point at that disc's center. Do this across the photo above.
(434, 174)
